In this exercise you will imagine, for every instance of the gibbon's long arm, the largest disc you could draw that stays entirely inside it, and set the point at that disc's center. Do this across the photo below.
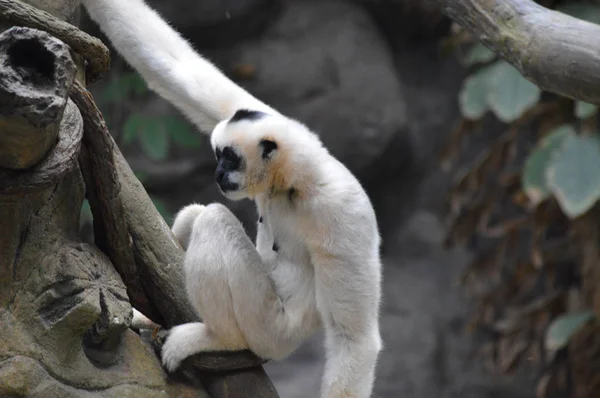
(169, 64)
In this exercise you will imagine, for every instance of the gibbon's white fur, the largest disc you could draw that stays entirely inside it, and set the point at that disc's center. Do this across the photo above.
(316, 260)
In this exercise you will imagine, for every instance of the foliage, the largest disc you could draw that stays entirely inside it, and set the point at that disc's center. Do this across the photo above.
(86, 214)
(499, 88)
(518, 204)
(564, 164)
(479, 54)
(534, 178)
(564, 327)
(573, 174)
(155, 135)
(583, 110)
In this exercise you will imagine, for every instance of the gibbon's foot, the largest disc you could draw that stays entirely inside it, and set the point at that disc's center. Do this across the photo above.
(185, 340)
(175, 349)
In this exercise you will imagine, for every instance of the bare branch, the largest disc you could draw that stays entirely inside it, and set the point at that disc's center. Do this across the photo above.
(557, 52)
(103, 192)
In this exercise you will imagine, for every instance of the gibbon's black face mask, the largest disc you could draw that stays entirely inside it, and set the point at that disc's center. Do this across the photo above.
(228, 162)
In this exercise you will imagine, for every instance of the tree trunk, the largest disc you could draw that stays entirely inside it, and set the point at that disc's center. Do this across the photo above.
(65, 305)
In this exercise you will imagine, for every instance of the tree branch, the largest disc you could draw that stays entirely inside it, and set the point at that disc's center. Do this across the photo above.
(103, 192)
(557, 52)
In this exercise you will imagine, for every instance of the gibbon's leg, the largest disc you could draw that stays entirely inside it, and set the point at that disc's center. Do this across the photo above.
(184, 340)
(350, 366)
(352, 336)
(230, 287)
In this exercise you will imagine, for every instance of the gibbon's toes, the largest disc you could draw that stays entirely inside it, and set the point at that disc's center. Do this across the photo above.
(181, 342)
(171, 354)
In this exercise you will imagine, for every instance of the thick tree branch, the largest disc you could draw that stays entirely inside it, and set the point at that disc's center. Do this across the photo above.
(103, 193)
(557, 52)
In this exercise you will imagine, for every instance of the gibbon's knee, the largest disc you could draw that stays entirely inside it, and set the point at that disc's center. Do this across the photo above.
(217, 229)
(184, 222)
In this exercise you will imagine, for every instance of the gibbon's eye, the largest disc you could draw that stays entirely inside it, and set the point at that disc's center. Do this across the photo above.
(268, 147)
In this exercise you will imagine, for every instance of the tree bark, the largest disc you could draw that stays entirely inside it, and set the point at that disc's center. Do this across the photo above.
(557, 52)
(64, 312)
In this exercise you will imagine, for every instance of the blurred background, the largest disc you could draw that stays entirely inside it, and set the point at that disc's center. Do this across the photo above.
(478, 255)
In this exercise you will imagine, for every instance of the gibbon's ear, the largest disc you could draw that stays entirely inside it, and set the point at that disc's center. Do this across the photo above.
(268, 147)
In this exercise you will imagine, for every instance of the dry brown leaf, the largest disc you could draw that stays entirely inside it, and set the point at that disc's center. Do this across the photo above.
(243, 71)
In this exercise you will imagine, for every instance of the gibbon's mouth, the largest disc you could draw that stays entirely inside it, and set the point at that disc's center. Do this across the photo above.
(234, 194)
(227, 186)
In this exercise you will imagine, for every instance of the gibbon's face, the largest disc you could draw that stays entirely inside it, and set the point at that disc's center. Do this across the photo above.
(246, 154)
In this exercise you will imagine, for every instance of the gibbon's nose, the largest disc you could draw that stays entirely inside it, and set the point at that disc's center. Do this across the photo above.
(220, 176)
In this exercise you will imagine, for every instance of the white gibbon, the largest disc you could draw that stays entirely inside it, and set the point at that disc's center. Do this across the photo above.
(316, 262)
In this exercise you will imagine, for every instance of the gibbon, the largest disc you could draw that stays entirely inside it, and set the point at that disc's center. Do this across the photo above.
(316, 262)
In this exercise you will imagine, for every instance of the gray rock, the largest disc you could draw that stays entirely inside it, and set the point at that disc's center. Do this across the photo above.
(217, 22)
(402, 18)
(325, 64)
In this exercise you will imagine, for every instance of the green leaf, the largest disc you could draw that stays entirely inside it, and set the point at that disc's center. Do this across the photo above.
(479, 54)
(154, 141)
(86, 215)
(162, 208)
(510, 95)
(533, 179)
(472, 98)
(582, 10)
(142, 176)
(561, 330)
(181, 133)
(138, 85)
(584, 110)
(573, 175)
(132, 126)
(117, 90)
(122, 86)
